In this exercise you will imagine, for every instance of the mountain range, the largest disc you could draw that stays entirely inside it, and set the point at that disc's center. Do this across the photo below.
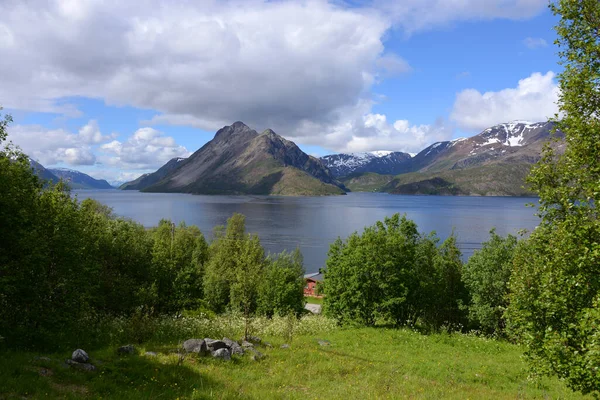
(239, 160)
(75, 179)
(493, 163)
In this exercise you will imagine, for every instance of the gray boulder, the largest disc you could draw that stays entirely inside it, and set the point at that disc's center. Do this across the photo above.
(246, 344)
(324, 343)
(222, 353)
(254, 339)
(285, 346)
(214, 345)
(256, 355)
(80, 356)
(81, 366)
(229, 342)
(236, 349)
(197, 346)
(128, 349)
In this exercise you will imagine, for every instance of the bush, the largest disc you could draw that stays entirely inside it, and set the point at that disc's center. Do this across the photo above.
(486, 275)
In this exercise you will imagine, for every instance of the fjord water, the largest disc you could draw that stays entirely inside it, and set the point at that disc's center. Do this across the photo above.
(312, 223)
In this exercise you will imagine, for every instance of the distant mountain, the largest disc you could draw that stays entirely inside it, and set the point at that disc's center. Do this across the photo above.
(493, 163)
(79, 180)
(238, 160)
(379, 162)
(147, 180)
(42, 172)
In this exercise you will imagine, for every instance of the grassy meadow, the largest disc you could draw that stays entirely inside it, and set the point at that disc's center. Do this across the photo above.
(354, 363)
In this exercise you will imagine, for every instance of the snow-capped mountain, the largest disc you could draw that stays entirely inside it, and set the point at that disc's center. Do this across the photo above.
(381, 162)
(517, 141)
(79, 180)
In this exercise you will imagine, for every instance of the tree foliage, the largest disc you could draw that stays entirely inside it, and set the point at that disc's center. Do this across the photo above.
(282, 288)
(391, 273)
(486, 276)
(555, 288)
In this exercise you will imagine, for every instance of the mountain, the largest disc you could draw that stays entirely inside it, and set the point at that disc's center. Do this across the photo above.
(493, 163)
(42, 172)
(379, 162)
(79, 180)
(239, 160)
(147, 180)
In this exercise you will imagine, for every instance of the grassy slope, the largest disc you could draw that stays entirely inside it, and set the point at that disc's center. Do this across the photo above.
(359, 363)
(487, 180)
(367, 182)
(294, 182)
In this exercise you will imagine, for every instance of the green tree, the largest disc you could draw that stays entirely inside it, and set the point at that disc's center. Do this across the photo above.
(393, 274)
(555, 287)
(248, 272)
(281, 290)
(221, 266)
(486, 275)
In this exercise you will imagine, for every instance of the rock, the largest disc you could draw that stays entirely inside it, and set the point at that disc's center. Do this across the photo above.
(254, 339)
(229, 342)
(246, 344)
(45, 372)
(222, 353)
(324, 343)
(150, 354)
(256, 355)
(214, 345)
(197, 346)
(285, 346)
(128, 349)
(267, 344)
(80, 356)
(82, 366)
(236, 349)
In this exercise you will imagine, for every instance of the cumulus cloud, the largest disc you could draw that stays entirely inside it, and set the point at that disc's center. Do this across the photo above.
(534, 43)
(147, 148)
(280, 64)
(53, 146)
(535, 98)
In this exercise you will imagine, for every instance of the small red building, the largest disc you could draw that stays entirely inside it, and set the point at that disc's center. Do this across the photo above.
(311, 283)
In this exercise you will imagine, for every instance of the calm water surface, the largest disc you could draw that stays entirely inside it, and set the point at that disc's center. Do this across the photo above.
(312, 223)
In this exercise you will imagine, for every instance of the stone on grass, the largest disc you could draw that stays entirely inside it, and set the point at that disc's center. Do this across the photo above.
(285, 346)
(214, 345)
(197, 346)
(150, 354)
(246, 344)
(256, 355)
(222, 353)
(254, 339)
(82, 366)
(80, 356)
(128, 349)
(236, 349)
(229, 342)
(324, 343)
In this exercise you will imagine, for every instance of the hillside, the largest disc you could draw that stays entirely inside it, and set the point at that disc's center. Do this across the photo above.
(238, 160)
(42, 172)
(79, 180)
(150, 179)
(492, 163)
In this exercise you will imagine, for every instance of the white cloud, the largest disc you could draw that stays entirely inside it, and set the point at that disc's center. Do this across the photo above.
(534, 43)
(147, 148)
(280, 64)
(420, 15)
(54, 146)
(535, 98)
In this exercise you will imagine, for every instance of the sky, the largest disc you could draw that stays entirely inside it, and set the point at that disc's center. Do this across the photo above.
(117, 88)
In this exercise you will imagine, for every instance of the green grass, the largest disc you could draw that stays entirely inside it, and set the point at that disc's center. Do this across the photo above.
(313, 300)
(358, 363)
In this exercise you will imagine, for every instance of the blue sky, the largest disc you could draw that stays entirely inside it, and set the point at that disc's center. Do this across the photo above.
(116, 90)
